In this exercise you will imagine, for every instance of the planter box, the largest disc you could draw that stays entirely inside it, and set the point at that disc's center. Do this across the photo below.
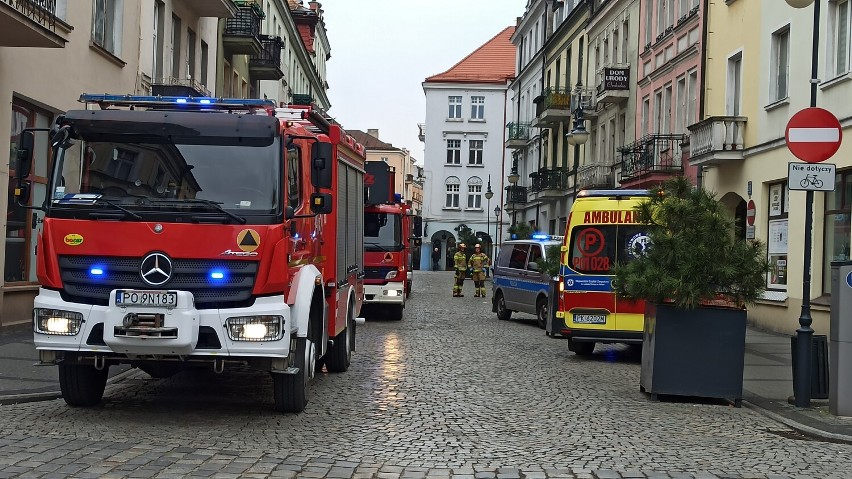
(693, 353)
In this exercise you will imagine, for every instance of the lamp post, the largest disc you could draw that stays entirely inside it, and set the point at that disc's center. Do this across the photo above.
(496, 229)
(488, 195)
(805, 334)
(513, 180)
(578, 134)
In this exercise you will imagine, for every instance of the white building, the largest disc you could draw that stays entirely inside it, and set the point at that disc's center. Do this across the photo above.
(465, 121)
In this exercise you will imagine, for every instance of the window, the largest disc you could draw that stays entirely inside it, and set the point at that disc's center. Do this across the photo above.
(294, 173)
(474, 193)
(661, 16)
(838, 220)
(658, 111)
(625, 48)
(190, 54)
(780, 63)
(452, 185)
(776, 244)
(455, 107)
(646, 115)
(692, 97)
(177, 33)
(106, 24)
(453, 152)
(649, 16)
(734, 90)
(518, 257)
(615, 54)
(839, 19)
(595, 249)
(477, 108)
(204, 60)
(476, 152)
(121, 166)
(159, 20)
(667, 109)
(535, 256)
(680, 116)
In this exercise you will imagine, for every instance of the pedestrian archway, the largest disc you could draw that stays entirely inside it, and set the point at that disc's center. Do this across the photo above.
(446, 243)
(736, 206)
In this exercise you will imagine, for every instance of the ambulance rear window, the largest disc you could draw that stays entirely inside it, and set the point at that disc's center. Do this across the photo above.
(595, 249)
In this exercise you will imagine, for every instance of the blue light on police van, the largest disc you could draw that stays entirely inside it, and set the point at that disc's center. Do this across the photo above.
(514, 236)
(181, 100)
(541, 237)
(204, 101)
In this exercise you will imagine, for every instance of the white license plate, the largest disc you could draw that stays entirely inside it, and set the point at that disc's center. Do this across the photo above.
(589, 319)
(133, 297)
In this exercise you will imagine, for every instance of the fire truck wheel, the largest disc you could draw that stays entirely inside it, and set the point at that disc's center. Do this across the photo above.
(340, 355)
(396, 312)
(82, 385)
(541, 312)
(408, 289)
(502, 313)
(291, 390)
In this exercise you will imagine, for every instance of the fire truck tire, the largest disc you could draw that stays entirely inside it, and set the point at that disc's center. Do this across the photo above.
(502, 313)
(291, 390)
(340, 355)
(82, 385)
(408, 289)
(396, 312)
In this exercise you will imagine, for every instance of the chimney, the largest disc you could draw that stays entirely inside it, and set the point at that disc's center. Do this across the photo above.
(374, 132)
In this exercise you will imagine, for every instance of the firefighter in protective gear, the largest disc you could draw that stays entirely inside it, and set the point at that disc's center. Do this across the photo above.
(460, 267)
(478, 262)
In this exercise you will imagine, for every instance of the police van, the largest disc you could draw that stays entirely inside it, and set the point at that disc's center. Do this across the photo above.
(519, 283)
(603, 230)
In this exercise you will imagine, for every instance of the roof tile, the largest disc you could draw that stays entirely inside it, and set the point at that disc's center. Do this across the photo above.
(493, 62)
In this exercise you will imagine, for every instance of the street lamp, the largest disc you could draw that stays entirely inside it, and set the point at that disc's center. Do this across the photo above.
(578, 134)
(805, 334)
(496, 228)
(513, 180)
(488, 195)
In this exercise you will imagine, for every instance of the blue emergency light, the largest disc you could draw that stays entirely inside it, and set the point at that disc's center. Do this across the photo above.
(159, 100)
(218, 275)
(540, 236)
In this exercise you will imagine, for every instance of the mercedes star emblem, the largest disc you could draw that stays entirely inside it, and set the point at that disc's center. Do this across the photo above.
(158, 228)
(156, 269)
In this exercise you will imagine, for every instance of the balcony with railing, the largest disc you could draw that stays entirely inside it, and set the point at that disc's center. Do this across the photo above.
(242, 32)
(29, 23)
(651, 160)
(549, 182)
(516, 195)
(586, 98)
(716, 140)
(212, 8)
(178, 87)
(553, 107)
(518, 135)
(595, 176)
(613, 83)
(267, 65)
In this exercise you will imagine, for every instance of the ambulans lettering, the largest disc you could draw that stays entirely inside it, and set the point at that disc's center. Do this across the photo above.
(610, 217)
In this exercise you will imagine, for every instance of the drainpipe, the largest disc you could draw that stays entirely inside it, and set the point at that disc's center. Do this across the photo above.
(705, 23)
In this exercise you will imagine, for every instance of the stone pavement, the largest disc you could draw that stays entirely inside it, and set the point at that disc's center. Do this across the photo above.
(449, 391)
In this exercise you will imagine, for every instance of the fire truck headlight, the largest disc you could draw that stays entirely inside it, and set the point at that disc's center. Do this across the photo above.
(392, 274)
(255, 328)
(57, 321)
(392, 292)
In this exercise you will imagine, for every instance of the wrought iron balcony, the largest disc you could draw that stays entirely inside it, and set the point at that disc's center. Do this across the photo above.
(242, 32)
(29, 23)
(518, 135)
(716, 139)
(595, 176)
(553, 106)
(549, 181)
(652, 154)
(516, 195)
(267, 65)
(613, 83)
(587, 99)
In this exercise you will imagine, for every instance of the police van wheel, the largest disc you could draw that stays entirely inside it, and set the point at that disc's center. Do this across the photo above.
(502, 313)
(291, 390)
(82, 385)
(541, 312)
(582, 348)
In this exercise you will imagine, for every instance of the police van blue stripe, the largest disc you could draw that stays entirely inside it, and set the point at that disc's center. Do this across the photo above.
(521, 284)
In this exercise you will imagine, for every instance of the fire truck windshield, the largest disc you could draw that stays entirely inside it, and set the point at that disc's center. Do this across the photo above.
(163, 179)
(382, 232)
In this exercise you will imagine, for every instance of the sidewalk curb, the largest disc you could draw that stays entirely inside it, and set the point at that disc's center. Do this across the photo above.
(809, 431)
(51, 395)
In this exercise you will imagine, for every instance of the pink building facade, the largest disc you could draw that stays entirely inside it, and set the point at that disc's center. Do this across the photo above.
(669, 91)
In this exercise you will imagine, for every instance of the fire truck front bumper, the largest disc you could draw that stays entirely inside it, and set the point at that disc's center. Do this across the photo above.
(177, 329)
(390, 293)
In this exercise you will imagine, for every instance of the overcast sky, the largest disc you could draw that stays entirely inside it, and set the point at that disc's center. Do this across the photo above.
(382, 50)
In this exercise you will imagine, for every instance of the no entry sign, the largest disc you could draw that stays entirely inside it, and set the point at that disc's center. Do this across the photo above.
(750, 211)
(813, 135)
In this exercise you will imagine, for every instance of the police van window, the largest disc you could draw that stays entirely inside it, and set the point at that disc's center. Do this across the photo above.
(294, 173)
(518, 258)
(535, 255)
(593, 249)
(504, 256)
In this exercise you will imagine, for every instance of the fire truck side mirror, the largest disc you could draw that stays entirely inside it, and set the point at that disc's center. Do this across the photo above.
(418, 226)
(321, 203)
(289, 213)
(321, 158)
(24, 154)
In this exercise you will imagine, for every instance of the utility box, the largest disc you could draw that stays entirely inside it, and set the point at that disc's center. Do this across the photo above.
(840, 340)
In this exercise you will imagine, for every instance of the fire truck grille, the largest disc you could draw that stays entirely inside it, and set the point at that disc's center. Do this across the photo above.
(232, 290)
(379, 272)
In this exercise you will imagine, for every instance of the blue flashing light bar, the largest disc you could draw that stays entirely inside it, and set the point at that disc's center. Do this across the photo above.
(157, 100)
(541, 237)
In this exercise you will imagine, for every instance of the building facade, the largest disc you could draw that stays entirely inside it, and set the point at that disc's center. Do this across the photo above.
(97, 47)
(466, 114)
(399, 159)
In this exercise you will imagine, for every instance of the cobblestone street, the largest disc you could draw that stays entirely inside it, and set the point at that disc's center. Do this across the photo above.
(449, 391)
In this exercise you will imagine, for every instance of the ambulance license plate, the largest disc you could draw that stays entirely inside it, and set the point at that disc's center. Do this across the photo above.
(589, 319)
(135, 297)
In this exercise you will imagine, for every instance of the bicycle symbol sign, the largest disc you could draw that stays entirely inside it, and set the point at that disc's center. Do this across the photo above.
(811, 176)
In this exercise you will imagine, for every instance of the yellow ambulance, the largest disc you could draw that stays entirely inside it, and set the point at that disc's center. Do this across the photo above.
(602, 231)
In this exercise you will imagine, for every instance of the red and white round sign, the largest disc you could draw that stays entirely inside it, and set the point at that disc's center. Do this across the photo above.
(750, 212)
(813, 135)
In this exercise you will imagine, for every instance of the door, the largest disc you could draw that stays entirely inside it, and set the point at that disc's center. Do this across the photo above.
(515, 274)
(589, 301)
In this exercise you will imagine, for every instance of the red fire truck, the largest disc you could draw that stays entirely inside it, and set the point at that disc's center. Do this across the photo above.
(197, 231)
(391, 231)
